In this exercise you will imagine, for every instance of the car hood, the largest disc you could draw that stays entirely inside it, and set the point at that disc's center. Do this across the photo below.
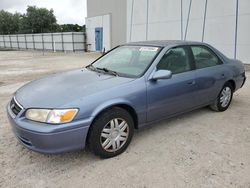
(60, 89)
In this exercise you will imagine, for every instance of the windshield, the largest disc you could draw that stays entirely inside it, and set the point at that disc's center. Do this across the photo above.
(128, 60)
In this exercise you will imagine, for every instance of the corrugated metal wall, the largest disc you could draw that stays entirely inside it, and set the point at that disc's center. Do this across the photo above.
(66, 41)
(224, 24)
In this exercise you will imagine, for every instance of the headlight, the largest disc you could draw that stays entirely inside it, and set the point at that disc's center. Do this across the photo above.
(51, 116)
(37, 114)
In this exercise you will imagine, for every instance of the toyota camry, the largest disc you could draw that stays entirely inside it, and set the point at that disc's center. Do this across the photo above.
(131, 86)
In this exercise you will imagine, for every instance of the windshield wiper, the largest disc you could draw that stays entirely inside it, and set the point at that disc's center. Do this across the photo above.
(107, 71)
(91, 67)
(97, 69)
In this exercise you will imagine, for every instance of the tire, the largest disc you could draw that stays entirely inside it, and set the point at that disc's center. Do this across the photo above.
(221, 105)
(111, 133)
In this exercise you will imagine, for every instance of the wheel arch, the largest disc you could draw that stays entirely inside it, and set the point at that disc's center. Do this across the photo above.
(232, 82)
(121, 104)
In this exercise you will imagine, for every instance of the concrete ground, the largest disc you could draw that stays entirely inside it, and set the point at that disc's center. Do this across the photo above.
(199, 149)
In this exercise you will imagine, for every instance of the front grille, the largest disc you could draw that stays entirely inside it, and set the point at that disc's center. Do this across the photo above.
(15, 107)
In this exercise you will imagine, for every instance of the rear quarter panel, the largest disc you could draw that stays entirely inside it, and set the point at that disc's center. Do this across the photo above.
(234, 68)
(236, 72)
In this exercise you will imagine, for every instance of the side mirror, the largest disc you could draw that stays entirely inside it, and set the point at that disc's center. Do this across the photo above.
(161, 74)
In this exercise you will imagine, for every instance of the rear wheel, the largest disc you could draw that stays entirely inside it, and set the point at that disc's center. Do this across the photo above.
(224, 99)
(111, 133)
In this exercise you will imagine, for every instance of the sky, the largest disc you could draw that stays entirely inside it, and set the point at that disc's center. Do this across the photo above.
(66, 11)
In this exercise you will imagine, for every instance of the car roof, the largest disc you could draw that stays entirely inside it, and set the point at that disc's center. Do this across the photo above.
(164, 43)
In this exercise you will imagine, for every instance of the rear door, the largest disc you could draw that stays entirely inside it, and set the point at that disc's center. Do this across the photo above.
(167, 97)
(209, 75)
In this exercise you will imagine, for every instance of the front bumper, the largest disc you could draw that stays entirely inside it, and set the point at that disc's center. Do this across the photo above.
(48, 138)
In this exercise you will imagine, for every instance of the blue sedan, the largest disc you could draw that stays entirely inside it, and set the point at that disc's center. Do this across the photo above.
(131, 86)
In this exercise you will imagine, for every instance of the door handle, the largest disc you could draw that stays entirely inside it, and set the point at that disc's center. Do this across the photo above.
(191, 82)
(222, 75)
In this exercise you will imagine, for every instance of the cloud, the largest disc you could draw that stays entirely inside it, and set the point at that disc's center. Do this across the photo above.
(6, 4)
(66, 11)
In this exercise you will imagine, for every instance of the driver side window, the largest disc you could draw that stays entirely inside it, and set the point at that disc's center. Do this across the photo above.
(176, 60)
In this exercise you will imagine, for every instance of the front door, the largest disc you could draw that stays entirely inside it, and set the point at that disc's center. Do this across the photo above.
(98, 38)
(167, 97)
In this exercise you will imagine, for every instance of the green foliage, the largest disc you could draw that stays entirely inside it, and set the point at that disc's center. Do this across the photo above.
(35, 20)
(9, 23)
(38, 20)
(71, 27)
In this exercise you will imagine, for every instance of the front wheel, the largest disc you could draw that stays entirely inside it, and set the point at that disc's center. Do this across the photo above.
(224, 98)
(111, 133)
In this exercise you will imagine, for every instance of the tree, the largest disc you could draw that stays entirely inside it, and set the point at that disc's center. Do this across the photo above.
(38, 20)
(35, 20)
(71, 28)
(9, 23)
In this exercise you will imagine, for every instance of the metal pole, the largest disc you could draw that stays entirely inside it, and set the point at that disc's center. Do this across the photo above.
(85, 42)
(54, 46)
(147, 20)
(33, 40)
(181, 20)
(43, 43)
(17, 42)
(25, 39)
(190, 3)
(204, 21)
(236, 28)
(4, 45)
(73, 42)
(62, 42)
(52, 42)
(131, 21)
(10, 41)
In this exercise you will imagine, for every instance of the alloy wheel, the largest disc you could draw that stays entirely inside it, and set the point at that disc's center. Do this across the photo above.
(225, 96)
(114, 134)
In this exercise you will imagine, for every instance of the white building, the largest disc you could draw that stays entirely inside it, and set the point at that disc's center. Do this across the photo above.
(224, 24)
